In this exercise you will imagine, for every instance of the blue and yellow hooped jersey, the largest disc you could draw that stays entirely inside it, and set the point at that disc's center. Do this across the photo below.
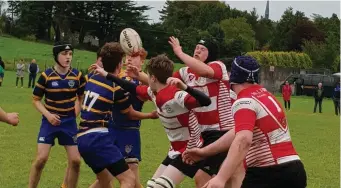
(60, 91)
(101, 95)
(122, 120)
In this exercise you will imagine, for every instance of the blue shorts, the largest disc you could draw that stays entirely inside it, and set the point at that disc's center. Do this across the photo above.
(129, 143)
(99, 152)
(65, 132)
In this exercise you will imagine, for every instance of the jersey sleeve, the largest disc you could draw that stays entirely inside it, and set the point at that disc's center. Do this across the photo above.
(233, 96)
(39, 89)
(244, 112)
(177, 75)
(121, 101)
(185, 100)
(143, 92)
(219, 69)
(82, 82)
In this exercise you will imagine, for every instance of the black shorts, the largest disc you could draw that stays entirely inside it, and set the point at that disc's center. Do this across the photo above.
(118, 168)
(188, 170)
(211, 165)
(288, 175)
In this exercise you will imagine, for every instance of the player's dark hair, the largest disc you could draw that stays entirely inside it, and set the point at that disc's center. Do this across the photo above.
(111, 54)
(161, 67)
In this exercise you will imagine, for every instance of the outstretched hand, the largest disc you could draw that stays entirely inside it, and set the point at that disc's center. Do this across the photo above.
(13, 118)
(175, 43)
(97, 69)
(192, 156)
(132, 71)
(154, 115)
(177, 83)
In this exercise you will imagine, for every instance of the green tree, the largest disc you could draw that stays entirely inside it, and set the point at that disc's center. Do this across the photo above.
(238, 29)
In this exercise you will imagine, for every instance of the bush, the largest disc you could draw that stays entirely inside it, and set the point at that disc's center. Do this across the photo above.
(282, 59)
(31, 38)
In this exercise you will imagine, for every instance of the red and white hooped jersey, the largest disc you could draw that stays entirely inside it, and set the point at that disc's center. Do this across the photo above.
(174, 108)
(218, 115)
(257, 110)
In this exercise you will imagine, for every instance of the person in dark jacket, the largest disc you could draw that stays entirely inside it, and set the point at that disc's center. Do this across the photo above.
(318, 95)
(33, 70)
(2, 71)
(336, 99)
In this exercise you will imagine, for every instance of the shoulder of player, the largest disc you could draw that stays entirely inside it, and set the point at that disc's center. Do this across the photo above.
(48, 72)
(244, 103)
(75, 72)
(220, 63)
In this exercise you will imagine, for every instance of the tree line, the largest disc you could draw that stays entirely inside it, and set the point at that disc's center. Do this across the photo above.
(236, 32)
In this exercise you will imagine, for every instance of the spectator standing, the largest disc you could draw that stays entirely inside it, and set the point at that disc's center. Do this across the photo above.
(318, 95)
(286, 93)
(33, 70)
(20, 72)
(2, 71)
(336, 99)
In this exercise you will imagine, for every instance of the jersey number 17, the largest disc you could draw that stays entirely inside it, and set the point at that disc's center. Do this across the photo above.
(89, 94)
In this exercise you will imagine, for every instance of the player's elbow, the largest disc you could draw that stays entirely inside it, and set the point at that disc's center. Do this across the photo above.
(206, 101)
(244, 139)
(207, 73)
(131, 114)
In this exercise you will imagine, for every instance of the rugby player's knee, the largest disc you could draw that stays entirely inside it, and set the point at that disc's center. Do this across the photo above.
(201, 178)
(164, 182)
(75, 162)
(40, 162)
(133, 167)
(127, 179)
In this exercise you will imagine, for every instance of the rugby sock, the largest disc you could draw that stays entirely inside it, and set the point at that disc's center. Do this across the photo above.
(164, 182)
(63, 186)
(150, 183)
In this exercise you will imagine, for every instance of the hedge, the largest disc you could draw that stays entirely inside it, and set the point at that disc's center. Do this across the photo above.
(282, 59)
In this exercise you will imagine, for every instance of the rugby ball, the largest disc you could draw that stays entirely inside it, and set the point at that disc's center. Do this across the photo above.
(130, 41)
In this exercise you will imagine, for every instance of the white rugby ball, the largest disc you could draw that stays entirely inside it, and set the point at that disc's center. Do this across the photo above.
(130, 41)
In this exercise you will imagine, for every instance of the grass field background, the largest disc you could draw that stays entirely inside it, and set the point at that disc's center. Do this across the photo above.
(315, 136)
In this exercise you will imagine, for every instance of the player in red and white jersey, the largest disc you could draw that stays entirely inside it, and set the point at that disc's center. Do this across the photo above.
(262, 139)
(175, 102)
(203, 72)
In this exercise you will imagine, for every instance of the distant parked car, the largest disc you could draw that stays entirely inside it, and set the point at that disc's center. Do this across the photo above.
(306, 83)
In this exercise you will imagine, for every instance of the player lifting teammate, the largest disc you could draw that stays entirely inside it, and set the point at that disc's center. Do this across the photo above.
(174, 102)
(211, 77)
(95, 144)
(63, 88)
(262, 140)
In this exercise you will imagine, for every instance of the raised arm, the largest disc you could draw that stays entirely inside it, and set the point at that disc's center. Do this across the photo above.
(136, 115)
(188, 98)
(133, 72)
(197, 66)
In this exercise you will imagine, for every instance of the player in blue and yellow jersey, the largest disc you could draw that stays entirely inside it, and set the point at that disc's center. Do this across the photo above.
(63, 88)
(95, 144)
(129, 121)
(125, 131)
